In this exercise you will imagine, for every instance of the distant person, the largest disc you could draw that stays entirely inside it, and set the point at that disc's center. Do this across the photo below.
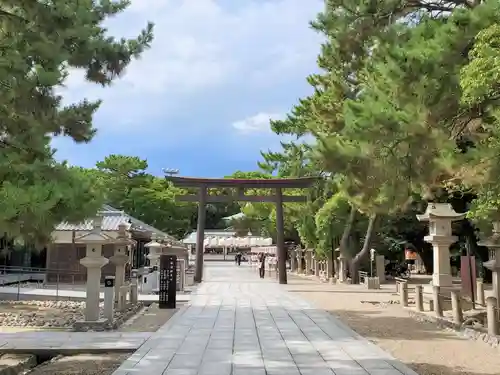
(238, 258)
(262, 268)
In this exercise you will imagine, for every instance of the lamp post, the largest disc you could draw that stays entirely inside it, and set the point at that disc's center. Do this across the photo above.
(372, 259)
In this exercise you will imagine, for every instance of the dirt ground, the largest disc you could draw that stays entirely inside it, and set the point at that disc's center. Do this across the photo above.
(422, 346)
(149, 320)
(81, 364)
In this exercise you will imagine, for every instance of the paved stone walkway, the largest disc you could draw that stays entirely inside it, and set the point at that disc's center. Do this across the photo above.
(71, 342)
(238, 324)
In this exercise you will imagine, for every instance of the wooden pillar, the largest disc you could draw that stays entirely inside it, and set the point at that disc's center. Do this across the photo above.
(280, 237)
(200, 234)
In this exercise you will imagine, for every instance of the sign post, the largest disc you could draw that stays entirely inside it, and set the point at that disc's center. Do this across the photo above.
(168, 281)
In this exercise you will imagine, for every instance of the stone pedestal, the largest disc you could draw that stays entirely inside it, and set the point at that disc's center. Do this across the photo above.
(308, 258)
(342, 274)
(493, 264)
(372, 283)
(300, 261)
(329, 267)
(154, 262)
(93, 262)
(120, 260)
(293, 261)
(380, 268)
(134, 293)
(317, 265)
(109, 297)
(181, 263)
(122, 298)
(442, 270)
(440, 216)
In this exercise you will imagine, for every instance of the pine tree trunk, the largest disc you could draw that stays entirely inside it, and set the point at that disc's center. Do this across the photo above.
(344, 241)
(365, 251)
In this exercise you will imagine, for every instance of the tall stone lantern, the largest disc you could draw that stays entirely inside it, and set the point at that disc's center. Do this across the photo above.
(440, 216)
(493, 264)
(94, 261)
(120, 257)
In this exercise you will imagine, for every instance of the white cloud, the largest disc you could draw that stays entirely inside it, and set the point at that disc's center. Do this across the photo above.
(202, 45)
(258, 123)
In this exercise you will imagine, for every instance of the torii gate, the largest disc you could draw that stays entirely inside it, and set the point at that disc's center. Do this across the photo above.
(276, 184)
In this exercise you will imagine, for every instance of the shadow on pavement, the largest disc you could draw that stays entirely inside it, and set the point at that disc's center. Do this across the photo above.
(433, 369)
(368, 323)
(353, 291)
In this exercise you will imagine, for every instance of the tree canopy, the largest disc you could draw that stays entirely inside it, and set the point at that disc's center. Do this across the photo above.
(41, 42)
(404, 109)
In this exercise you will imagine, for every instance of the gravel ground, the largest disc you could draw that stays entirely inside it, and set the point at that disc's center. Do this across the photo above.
(42, 315)
(149, 319)
(422, 346)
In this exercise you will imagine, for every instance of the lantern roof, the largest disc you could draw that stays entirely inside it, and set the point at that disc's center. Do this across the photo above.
(440, 211)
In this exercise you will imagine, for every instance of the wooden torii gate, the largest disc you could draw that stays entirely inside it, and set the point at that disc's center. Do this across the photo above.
(239, 186)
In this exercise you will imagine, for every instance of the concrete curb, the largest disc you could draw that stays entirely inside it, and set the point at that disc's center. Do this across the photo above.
(20, 363)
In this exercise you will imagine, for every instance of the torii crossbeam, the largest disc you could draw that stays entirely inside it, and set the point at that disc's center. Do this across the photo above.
(240, 185)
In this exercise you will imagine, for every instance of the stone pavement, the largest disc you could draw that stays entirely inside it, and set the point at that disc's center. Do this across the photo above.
(40, 342)
(238, 324)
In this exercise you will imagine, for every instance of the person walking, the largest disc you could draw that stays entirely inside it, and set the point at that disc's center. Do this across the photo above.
(262, 269)
(238, 258)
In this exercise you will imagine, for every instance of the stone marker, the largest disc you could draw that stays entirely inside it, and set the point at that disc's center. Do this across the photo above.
(109, 297)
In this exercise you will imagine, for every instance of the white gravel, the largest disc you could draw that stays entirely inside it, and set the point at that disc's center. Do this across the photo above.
(43, 314)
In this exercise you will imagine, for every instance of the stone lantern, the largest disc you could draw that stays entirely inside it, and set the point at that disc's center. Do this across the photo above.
(493, 244)
(155, 251)
(440, 216)
(120, 257)
(94, 261)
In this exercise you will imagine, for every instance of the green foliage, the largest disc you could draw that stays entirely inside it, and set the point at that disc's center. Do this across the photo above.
(32, 203)
(330, 220)
(405, 107)
(127, 186)
(41, 41)
(480, 78)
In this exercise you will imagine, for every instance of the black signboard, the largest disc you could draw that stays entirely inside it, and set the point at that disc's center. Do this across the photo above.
(168, 281)
(109, 281)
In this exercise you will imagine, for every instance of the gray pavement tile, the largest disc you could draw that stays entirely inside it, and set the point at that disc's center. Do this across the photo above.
(238, 324)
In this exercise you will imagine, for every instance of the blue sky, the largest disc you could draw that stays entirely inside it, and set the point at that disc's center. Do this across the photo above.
(200, 99)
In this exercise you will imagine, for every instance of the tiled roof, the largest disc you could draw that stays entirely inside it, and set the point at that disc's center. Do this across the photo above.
(111, 220)
(191, 238)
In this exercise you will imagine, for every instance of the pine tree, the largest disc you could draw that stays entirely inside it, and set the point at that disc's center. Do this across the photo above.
(40, 41)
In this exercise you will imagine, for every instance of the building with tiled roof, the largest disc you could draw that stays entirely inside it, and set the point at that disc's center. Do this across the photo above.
(64, 254)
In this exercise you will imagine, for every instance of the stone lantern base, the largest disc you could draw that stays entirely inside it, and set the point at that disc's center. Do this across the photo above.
(99, 325)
